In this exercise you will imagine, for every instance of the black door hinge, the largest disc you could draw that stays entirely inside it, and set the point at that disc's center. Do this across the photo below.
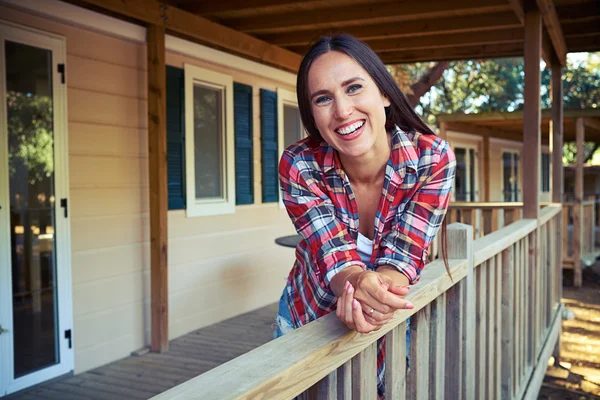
(68, 337)
(65, 205)
(61, 71)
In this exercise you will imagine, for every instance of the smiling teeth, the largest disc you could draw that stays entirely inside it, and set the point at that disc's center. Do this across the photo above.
(351, 128)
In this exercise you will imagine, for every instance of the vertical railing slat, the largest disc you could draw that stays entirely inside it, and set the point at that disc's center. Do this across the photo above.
(364, 374)
(325, 389)
(532, 305)
(418, 374)
(481, 329)
(507, 325)
(344, 381)
(437, 348)
(498, 327)
(490, 348)
(395, 363)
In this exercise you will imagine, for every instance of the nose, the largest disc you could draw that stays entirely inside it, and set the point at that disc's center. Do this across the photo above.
(343, 107)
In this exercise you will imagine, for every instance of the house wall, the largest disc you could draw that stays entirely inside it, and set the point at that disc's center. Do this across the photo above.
(497, 147)
(219, 266)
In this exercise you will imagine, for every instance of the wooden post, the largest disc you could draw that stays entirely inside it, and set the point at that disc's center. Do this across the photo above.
(577, 206)
(486, 168)
(157, 165)
(532, 114)
(508, 322)
(364, 373)
(395, 364)
(558, 189)
(443, 131)
(460, 319)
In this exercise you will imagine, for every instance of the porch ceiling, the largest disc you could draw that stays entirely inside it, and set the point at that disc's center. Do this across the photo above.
(408, 31)
(509, 125)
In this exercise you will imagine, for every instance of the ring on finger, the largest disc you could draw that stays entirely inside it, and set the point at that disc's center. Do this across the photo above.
(371, 311)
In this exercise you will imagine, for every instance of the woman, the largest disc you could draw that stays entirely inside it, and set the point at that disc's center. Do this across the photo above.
(367, 191)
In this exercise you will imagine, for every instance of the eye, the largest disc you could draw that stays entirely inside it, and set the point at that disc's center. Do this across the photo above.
(322, 99)
(354, 88)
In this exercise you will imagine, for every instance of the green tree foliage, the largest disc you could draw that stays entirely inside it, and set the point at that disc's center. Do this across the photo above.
(476, 86)
(31, 138)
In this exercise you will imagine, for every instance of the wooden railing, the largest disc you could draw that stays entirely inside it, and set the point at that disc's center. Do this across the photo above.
(576, 246)
(487, 332)
(485, 217)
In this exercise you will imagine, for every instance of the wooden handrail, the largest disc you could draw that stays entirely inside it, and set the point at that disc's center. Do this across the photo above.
(311, 356)
(285, 367)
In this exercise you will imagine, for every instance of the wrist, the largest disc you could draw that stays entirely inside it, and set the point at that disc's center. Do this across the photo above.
(349, 274)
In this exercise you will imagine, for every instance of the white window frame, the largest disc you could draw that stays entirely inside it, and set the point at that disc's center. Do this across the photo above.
(214, 80)
(468, 161)
(284, 98)
(519, 175)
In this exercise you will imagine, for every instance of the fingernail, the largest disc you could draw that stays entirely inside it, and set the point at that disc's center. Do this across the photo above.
(350, 289)
(410, 306)
(406, 287)
(355, 303)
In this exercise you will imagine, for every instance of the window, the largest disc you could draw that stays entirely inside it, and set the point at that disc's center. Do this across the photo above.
(545, 172)
(244, 164)
(290, 124)
(465, 181)
(209, 142)
(510, 176)
(269, 146)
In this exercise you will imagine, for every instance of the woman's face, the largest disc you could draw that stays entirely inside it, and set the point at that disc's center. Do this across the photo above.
(347, 106)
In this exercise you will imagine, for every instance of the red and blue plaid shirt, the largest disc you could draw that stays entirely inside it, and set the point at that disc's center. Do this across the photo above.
(320, 202)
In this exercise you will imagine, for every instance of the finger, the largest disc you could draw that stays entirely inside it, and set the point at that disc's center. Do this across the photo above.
(348, 319)
(399, 290)
(378, 319)
(341, 303)
(361, 325)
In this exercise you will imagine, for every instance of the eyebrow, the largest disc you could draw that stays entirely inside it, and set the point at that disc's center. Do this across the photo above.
(345, 83)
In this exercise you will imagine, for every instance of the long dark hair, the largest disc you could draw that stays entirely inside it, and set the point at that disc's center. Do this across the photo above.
(400, 113)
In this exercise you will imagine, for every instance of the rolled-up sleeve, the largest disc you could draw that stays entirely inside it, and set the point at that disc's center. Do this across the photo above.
(313, 214)
(405, 246)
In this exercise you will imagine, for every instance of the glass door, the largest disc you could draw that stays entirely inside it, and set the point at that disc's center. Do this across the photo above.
(34, 211)
(510, 176)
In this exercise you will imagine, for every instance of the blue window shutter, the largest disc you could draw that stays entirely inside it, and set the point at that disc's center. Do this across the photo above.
(175, 138)
(270, 152)
(242, 114)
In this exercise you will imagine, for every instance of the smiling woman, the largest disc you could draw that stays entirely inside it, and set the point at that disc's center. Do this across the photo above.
(367, 191)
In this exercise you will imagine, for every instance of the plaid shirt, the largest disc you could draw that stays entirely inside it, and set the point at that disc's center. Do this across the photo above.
(321, 204)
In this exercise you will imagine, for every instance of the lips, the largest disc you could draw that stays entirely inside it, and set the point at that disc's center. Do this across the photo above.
(351, 128)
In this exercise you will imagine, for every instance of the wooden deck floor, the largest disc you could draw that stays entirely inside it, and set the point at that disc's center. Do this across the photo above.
(141, 377)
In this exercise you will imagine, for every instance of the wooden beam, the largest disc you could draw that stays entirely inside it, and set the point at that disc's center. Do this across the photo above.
(552, 24)
(426, 27)
(577, 207)
(592, 123)
(582, 11)
(196, 28)
(517, 7)
(486, 167)
(498, 36)
(157, 165)
(459, 53)
(226, 6)
(532, 114)
(583, 43)
(514, 115)
(557, 134)
(482, 131)
(362, 14)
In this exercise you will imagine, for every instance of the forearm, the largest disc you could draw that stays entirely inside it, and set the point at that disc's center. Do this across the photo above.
(339, 279)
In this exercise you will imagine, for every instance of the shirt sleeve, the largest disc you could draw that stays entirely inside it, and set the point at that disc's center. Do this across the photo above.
(313, 214)
(405, 247)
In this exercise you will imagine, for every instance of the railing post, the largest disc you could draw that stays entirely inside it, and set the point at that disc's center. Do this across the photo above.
(460, 319)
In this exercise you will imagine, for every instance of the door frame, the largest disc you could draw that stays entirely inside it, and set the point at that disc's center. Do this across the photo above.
(512, 151)
(56, 44)
(469, 162)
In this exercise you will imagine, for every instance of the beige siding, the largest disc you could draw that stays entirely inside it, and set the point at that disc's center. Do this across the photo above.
(222, 266)
(108, 189)
(219, 266)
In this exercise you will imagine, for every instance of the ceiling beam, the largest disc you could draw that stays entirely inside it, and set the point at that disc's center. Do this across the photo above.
(363, 14)
(458, 53)
(483, 131)
(583, 43)
(222, 6)
(190, 26)
(579, 12)
(552, 24)
(592, 123)
(426, 27)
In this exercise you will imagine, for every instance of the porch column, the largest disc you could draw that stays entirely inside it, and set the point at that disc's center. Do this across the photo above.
(578, 206)
(532, 114)
(556, 149)
(157, 165)
(486, 168)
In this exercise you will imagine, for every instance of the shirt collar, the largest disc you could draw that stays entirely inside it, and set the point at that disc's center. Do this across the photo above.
(405, 158)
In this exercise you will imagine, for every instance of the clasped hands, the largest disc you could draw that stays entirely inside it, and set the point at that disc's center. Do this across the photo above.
(369, 299)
